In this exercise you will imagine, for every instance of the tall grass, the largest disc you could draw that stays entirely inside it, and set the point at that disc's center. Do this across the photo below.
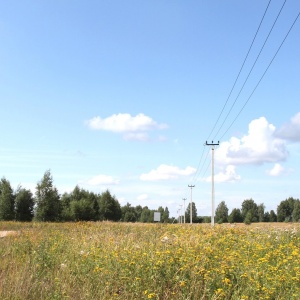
(149, 261)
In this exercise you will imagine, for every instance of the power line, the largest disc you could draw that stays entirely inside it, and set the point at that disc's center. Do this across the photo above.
(198, 168)
(240, 70)
(249, 73)
(261, 76)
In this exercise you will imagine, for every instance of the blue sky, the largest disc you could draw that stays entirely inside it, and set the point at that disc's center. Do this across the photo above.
(122, 95)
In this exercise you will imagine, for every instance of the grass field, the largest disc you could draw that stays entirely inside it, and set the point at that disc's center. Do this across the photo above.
(149, 261)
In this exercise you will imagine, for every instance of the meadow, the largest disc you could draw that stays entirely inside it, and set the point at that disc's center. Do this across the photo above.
(104, 260)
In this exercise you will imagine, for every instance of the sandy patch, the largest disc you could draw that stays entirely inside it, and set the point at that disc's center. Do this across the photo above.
(7, 233)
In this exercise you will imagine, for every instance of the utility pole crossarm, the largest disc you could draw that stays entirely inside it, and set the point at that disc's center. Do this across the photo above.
(212, 143)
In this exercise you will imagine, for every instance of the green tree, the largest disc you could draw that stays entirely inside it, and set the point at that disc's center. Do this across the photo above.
(7, 201)
(221, 214)
(128, 213)
(261, 212)
(266, 216)
(235, 216)
(248, 218)
(249, 207)
(83, 210)
(47, 200)
(194, 213)
(165, 216)
(273, 216)
(138, 211)
(285, 210)
(24, 205)
(296, 211)
(66, 213)
(109, 207)
(146, 215)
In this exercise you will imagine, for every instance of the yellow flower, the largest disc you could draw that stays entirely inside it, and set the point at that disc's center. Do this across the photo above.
(182, 283)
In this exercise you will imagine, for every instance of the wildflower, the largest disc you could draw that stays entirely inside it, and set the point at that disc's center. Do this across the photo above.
(182, 283)
(150, 296)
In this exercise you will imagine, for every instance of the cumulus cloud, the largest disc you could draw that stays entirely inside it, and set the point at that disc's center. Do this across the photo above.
(101, 180)
(132, 127)
(228, 174)
(276, 170)
(260, 145)
(290, 131)
(165, 172)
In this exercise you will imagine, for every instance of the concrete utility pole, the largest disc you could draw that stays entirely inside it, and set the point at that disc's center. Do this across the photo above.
(212, 144)
(184, 209)
(191, 204)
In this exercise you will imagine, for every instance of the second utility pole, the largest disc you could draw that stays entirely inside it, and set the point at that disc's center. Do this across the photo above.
(212, 182)
(191, 204)
(184, 209)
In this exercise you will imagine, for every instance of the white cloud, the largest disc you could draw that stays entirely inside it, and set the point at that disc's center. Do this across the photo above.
(259, 146)
(136, 136)
(125, 123)
(291, 130)
(276, 170)
(142, 197)
(165, 172)
(227, 175)
(101, 180)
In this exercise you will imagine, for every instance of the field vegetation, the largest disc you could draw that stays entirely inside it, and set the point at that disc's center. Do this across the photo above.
(105, 260)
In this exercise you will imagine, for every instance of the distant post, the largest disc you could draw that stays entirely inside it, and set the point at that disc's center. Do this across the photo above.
(184, 209)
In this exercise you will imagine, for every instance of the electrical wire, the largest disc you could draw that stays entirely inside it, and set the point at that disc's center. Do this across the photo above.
(198, 168)
(291, 27)
(249, 73)
(240, 70)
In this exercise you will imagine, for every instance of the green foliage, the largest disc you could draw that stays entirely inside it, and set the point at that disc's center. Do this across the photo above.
(47, 200)
(194, 213)
(128, 213)
(296, 211)
(6, 201)
(248, 218)
(24, 205)
(83, 210)
(261, 212)
(109, 207)
(266, 217)
(273, 216)
(250, 206)
(285, 210)
(235, 216)
(146, 215)
(221, 214)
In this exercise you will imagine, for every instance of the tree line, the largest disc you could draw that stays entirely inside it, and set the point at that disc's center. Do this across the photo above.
(47, 205)
(287, 211)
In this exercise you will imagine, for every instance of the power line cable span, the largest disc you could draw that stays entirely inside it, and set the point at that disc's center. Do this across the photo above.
(249, 73)
(261, 78)
(261, 21)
